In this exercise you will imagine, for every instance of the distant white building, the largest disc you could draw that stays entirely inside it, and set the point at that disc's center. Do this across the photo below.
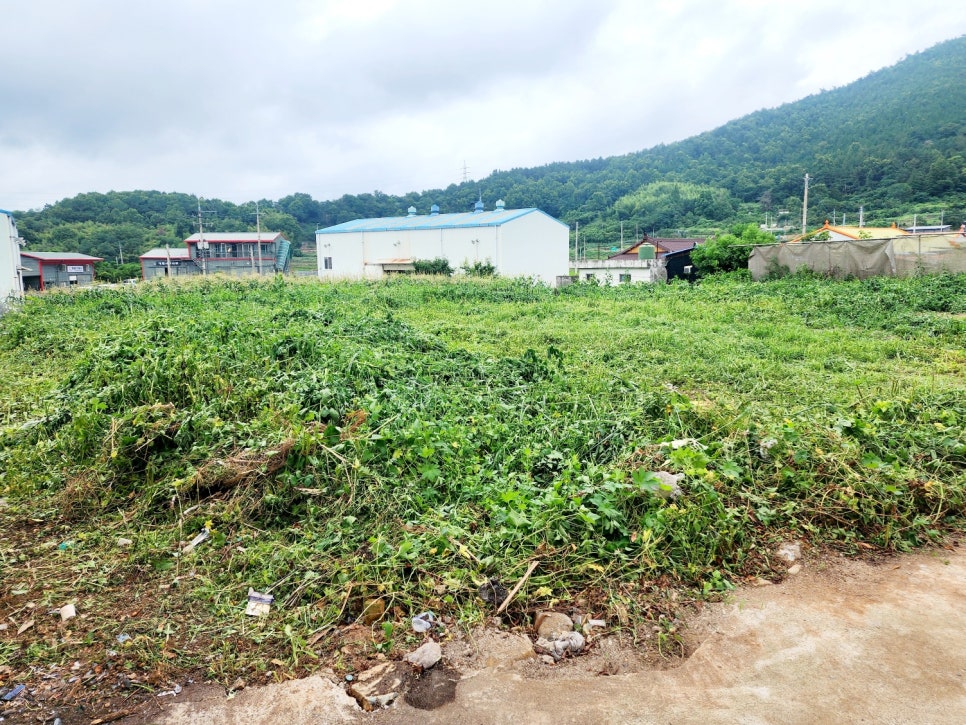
(517, 242)
(11, 283)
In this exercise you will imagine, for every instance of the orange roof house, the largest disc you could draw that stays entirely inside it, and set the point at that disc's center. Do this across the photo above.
(850, 233)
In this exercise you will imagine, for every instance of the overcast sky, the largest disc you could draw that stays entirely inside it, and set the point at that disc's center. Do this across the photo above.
(244, 100)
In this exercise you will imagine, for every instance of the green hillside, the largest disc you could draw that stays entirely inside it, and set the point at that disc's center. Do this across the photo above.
(893, 142)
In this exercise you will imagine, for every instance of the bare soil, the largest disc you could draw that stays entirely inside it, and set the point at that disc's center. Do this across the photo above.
(877, 640)
(842, 641)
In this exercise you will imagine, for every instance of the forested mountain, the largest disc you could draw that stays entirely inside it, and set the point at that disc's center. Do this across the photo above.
(893, 142)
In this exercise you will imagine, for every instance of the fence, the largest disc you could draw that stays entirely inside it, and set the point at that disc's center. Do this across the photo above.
(898, 257)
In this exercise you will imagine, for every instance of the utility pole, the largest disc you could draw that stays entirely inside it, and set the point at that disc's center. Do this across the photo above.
(203, 245)
(577, 243)
(258, 227)
(805, 207)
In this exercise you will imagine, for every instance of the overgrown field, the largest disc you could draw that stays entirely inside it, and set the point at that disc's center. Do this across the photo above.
(407, 441)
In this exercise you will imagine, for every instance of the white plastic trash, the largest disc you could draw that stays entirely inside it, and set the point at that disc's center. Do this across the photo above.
(423, 622)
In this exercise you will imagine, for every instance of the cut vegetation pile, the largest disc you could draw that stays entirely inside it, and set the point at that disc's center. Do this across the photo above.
(408, 441)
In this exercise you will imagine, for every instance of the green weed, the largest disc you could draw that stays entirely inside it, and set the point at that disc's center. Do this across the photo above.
(408, 440)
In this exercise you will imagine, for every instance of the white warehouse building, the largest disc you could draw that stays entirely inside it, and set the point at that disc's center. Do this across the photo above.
(517, 242)
(11, 283)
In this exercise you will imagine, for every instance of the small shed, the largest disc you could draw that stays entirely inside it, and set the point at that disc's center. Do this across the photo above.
(46, 270)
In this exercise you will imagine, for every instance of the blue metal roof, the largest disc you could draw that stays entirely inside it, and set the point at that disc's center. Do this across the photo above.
(433, 221)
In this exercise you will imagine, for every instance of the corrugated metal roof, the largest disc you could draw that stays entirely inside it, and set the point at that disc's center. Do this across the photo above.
(494, 218)
(61, 257)
(234, 237)
(162, 253)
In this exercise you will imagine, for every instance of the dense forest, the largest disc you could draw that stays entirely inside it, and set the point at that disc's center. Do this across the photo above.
(893, 143)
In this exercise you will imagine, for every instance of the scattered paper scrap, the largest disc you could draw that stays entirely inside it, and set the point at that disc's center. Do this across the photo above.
(259, 604)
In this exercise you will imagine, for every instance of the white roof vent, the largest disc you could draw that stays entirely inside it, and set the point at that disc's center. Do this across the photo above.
(434, 210)
(412, 211)
(500, 205)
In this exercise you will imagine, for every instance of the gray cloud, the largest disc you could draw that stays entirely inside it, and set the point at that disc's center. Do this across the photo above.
(239, 99)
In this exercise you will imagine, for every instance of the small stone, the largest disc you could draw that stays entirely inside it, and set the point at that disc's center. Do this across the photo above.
(372, 611)
(793, 570)
(426, 656)
(548, 660)
(498, 649)
(238, 684)
(759, 582)
(122, 542)
(550, 625)
(790, 552)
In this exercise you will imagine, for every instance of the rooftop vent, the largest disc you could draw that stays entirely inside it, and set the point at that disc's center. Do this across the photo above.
(478, 207)
(500, 205)
(434, 210)
(412, 211)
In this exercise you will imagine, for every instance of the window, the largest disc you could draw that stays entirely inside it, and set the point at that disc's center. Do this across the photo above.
(624, 278)
(327, 262)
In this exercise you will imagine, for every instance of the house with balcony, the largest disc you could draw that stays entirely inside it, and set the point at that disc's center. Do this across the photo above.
(236, 254)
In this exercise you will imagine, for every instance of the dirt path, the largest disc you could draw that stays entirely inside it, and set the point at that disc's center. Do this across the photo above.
(840, 642)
